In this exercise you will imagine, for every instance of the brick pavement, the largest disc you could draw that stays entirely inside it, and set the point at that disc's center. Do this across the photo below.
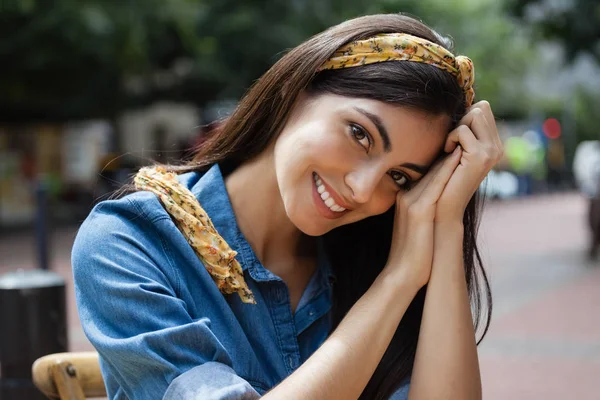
(544, 342)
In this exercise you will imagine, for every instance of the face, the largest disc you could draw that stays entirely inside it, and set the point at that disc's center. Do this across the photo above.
(339, 160)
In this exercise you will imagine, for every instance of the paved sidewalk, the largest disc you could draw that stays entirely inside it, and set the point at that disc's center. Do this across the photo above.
(544, 342)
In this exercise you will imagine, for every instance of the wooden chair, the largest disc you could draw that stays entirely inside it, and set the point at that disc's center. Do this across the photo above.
(69, 376)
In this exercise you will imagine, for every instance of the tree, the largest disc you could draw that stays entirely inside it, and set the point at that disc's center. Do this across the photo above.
(69, 59)
(85, 58)
(575, 24)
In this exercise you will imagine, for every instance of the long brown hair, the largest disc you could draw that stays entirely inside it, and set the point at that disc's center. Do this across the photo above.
(357, 251)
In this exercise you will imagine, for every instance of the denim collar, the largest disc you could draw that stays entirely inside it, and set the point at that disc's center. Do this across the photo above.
(209, 188)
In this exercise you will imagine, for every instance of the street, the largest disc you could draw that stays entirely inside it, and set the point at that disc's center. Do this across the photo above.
(544, 341)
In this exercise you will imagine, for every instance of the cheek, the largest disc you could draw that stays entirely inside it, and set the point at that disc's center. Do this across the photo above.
(379, 204)
(386, 202)
(383, 199)
(314, 146)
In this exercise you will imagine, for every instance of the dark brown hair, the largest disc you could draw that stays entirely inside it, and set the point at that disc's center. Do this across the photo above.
(260, 117)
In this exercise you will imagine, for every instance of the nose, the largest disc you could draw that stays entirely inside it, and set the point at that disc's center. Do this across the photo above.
(362, 183)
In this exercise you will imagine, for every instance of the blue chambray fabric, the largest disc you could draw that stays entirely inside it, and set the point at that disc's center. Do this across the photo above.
(159, 323)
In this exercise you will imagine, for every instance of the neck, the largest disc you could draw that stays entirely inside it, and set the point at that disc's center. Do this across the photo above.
(261, 216)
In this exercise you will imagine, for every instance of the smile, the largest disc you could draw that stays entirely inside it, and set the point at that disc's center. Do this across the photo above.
(325, 200)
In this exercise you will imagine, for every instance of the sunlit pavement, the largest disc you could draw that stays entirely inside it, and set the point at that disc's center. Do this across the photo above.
(544, 342)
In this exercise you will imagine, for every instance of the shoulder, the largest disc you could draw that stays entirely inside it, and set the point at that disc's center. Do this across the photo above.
(119, 238)
(141, 208)
(135, 215)
(133, 230)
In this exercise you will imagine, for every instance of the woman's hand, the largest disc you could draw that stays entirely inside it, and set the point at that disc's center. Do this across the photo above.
(477, 135)
(411, 253)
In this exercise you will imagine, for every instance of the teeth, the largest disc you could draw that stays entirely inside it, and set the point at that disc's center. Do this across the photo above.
(327, 199)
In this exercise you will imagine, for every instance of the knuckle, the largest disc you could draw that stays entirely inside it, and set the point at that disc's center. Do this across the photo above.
(484, 104)
(491, 150)
(463, 130)
(487, 158)
(483, 155)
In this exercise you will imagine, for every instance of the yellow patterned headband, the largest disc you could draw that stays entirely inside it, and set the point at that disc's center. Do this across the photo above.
(404, 47)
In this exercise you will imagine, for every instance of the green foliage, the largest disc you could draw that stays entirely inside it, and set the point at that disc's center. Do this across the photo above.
(68, 58)
(587, 115)
(79, 58)
(575, 24)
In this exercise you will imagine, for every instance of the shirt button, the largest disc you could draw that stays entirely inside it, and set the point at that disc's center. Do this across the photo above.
(311, 313)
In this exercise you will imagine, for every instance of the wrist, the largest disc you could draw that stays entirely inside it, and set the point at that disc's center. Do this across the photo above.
(449, 225)
(398, 280)
(448, 233)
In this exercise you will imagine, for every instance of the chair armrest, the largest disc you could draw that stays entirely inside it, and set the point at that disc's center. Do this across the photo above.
(60, 369)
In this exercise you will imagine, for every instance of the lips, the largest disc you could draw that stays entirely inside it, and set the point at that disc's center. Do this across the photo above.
(320, 204)
(334, 195)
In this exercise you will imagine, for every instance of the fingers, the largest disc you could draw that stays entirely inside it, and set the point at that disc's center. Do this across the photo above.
(486, 109)
(477, 137)
(418, 205)
(477, 122)
(462, 136)
(433, 183)
(487, 113)
(434, 189)
(416, 190)
(477, 133)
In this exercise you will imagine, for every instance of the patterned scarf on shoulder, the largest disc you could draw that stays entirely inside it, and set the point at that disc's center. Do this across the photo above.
(195, 225)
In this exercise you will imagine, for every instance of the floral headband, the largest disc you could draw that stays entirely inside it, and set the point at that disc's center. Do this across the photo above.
(404, 47)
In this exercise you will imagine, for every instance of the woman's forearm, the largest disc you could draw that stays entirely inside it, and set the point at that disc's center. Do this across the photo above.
(446, 364)
(344, 364)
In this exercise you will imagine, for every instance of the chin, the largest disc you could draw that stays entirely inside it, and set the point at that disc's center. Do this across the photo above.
(309, 226)
(314, 231)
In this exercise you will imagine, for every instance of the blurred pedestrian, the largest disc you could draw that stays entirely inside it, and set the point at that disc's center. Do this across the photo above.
(289, 258)
(555, 163)
(594, 220)
(586, 169)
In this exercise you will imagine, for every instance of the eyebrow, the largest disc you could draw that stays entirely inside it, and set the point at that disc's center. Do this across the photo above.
(387, 144)
(421, 169)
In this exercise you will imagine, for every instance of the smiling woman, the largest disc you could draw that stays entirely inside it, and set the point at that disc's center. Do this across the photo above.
(320, 245)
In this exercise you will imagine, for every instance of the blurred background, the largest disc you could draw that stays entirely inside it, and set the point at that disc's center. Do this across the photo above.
(90, 90)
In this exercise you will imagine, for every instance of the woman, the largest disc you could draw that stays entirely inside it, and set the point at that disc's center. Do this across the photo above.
(344, 184)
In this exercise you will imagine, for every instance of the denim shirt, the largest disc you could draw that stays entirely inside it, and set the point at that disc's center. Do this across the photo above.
(161, 326)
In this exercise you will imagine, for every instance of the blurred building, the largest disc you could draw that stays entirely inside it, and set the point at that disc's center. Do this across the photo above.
(79, 163)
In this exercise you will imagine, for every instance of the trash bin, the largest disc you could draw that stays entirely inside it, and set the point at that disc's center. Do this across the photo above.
(33, 323)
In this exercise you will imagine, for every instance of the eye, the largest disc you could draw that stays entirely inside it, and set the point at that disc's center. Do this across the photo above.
(401, 179)
(361, 136)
